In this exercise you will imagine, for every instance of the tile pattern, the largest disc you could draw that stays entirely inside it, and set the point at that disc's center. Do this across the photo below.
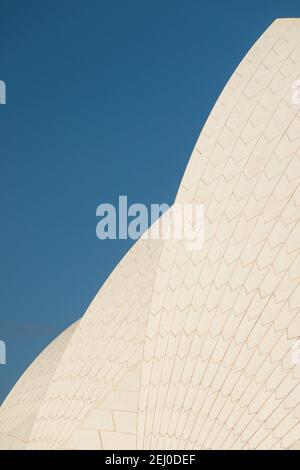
(218, 369)
(18, 412)
(194, 349)
(112, 422)
(106, 345)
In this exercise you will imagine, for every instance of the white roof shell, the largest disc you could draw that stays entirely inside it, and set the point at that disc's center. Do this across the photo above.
(193, 350)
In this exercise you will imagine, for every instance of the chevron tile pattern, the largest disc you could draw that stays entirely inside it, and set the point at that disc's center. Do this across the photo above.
(194, 349)
(217, 367)
(18, 412)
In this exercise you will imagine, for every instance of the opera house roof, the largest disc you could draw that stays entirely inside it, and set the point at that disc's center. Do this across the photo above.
(194, 349)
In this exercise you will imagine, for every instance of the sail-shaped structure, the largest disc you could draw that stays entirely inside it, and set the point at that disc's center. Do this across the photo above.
(185, 349)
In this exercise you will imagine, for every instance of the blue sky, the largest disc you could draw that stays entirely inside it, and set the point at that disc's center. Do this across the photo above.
(104, 98)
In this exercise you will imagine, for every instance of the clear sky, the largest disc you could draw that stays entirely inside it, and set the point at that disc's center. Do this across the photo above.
(104, 98)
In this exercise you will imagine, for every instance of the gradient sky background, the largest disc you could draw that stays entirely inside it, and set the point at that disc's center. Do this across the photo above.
(104, 97)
